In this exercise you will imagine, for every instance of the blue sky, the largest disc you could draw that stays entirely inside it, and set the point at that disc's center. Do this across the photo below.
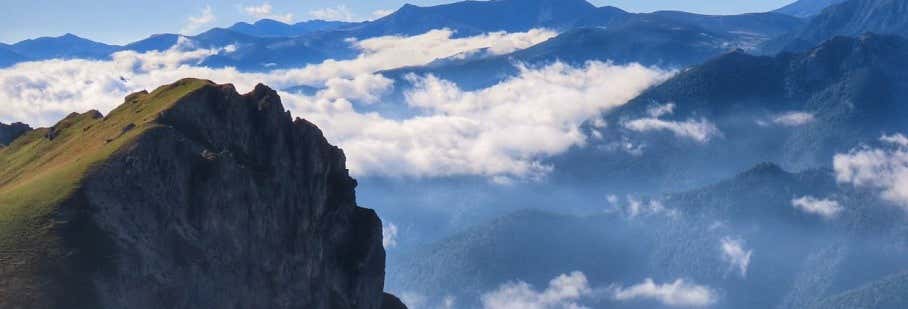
(117, 21)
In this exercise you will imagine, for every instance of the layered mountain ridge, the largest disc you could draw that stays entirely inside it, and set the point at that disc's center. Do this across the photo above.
(190, 196)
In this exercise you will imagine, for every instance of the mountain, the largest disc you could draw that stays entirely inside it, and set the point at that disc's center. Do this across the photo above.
(9, 132)
(762, 25)
(682, 237)
(849, 18)
(67, 46)
(190, 196)
(269, 44)
(273, 28)
(254, 53)
(648, 42)
(884, 293)
(156, 42)
(798, 109)
(475, 17)
(670, 40)
(9, 57)
(807, 8)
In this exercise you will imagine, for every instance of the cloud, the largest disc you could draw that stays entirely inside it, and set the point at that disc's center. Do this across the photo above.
(195, 23)
(565, 291)
(265, 10)
(734, 253)
(897, 140)
(338, 13)
(789, 119)
(701, 131)
(390, 52)
(825, 208)
(636, 207)
(679, 293)
(389, 235)
(502, 132)
(884, 168)
(40, 93)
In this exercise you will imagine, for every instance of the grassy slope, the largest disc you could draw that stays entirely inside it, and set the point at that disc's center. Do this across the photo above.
(37, 173)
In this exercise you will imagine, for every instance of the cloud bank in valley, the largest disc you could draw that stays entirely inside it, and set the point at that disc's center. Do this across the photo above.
(502, 132)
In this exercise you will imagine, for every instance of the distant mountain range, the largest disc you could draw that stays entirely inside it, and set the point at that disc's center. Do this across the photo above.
(847, 91)
(273, 28)
(807, 8)
(848, 18)
(813, 263)
(270, 44)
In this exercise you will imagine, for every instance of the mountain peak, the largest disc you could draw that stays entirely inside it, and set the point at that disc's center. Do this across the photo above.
(10, 132)
(121, 207)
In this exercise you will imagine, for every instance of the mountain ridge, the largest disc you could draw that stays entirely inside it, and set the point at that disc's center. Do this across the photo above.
(122, 210)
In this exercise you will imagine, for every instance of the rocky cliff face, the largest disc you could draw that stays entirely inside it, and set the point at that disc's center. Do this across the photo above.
(208, 199)
(9, 132)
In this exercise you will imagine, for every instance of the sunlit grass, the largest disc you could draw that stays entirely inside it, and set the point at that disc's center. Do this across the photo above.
(45, 167)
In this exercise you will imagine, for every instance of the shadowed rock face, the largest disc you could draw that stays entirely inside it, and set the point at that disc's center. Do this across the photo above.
(9, 132)
(221, 202)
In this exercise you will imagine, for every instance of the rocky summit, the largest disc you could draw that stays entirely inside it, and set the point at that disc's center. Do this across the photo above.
(9, 132)
(190, 196)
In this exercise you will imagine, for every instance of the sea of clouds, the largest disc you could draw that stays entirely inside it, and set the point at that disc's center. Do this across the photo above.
(502, 132)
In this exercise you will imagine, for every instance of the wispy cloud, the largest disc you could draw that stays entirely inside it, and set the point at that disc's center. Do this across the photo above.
(195, 23)
(884, 168)
(825, 208)
(679, 293)
(700, 130)
(565, 291)
(789, 119)
(389, 235)
(265, 10)
(734, 253)
(338, 13)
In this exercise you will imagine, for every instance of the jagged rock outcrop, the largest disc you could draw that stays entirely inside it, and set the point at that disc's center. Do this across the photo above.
(9, 132)
(191, 196)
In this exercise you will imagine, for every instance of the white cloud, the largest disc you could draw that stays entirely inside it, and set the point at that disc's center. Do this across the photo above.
(565, 291)
(389, 235)
(734, 253)
(701, 131)
(657, 111)
(897, 140)
(679, 293)
(825, 208)
(501, 132)
(265, 10)
(338, 13)
(789, 119)
(195, 23)
(884, 168)
(390, 52)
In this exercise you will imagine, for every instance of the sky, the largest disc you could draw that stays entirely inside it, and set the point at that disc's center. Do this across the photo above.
(120, 22)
